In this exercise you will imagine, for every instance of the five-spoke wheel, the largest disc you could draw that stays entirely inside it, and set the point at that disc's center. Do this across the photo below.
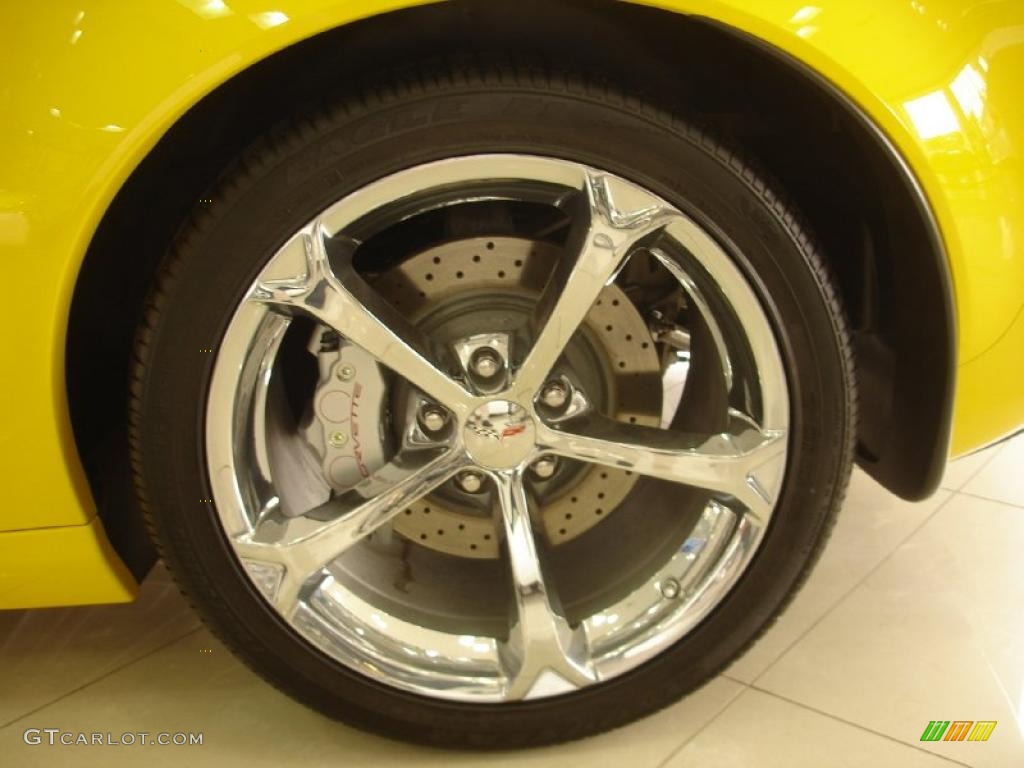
(495, 407)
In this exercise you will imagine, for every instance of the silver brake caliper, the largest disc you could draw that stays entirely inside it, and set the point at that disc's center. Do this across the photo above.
(347, 427)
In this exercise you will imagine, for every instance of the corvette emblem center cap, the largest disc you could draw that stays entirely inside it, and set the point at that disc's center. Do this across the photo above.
(499, 434)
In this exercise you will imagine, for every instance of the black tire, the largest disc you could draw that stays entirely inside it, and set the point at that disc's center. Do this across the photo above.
(297, 171)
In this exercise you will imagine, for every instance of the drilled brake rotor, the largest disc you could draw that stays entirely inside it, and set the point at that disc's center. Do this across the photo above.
(480, 266)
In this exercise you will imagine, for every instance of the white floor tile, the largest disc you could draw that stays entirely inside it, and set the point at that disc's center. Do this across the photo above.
(762, 731)
(872, 524)
(1002, 478)
(935, 633)
(47, 653)
(245, 721)
(959, 471)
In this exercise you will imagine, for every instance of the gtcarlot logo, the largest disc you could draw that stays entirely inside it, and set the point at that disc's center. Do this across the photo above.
(57, 737)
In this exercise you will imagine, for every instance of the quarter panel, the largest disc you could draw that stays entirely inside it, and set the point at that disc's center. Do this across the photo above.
(942, 79)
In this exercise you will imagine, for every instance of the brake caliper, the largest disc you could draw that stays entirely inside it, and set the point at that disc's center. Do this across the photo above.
(347, 424)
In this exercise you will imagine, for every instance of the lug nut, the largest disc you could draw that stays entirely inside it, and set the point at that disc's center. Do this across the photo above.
(346, 372)
(337, 439)
(545, 467)
(433, 418)
(485, 362)
(470, 481)
(554, 394)
(670, 588)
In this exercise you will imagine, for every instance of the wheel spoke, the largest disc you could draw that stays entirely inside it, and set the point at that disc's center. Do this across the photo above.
(600, 241)
(299, 548)
(347, 304)
(697, 297)
(724, 463)
(543, 654)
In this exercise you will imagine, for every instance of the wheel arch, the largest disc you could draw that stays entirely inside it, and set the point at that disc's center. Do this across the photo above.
(877, 229)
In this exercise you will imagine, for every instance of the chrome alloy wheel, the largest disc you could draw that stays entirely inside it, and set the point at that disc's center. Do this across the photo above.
(501, 421)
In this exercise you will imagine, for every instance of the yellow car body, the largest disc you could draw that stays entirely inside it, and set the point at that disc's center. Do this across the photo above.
(92, 87)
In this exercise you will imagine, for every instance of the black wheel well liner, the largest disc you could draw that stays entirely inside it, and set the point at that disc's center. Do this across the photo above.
(851, 185)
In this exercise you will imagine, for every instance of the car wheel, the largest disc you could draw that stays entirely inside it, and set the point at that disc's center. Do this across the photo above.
(491, 408)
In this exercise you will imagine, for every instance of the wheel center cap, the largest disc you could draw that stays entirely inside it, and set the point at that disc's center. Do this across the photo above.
(499, 434)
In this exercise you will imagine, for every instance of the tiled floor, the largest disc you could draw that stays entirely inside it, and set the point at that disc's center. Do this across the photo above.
(915, 613)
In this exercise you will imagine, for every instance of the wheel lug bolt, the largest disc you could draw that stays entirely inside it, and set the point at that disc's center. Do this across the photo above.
(337, 439)
(433, 418)
(545, 467)
(485, 362)
(555, 394)
(346, 372)
(470, 481)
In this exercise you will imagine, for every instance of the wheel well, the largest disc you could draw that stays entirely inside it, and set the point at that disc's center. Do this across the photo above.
(843, 176)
